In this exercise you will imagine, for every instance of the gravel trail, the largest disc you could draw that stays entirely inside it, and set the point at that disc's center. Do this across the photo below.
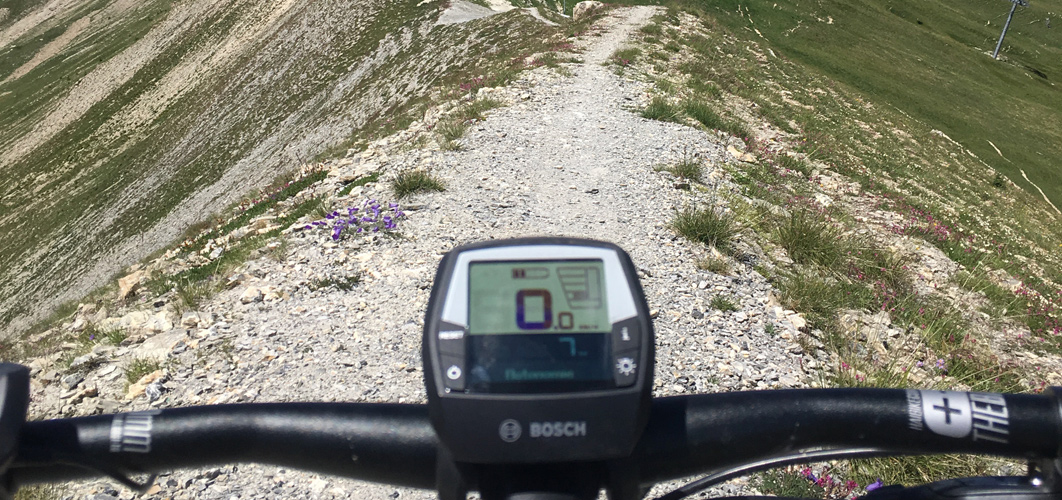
(567, 157)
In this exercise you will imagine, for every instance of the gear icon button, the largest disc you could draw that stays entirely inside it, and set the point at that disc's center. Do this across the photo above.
(626, 366)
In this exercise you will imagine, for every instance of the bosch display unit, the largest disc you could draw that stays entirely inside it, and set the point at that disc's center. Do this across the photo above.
(538, 350)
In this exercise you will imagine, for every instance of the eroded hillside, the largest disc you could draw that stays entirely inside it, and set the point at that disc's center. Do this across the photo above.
(125, 122)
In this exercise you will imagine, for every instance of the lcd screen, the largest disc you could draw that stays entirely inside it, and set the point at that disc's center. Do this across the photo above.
(538, 326)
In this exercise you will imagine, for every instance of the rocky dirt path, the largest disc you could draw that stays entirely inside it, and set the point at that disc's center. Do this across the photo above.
(566, 157)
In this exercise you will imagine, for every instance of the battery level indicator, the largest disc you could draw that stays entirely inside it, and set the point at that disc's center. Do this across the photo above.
(530, 273)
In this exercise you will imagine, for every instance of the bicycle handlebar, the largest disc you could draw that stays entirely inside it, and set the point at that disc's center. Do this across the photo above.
(395, 443)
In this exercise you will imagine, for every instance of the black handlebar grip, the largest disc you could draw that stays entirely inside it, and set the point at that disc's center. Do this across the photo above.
(388, 443)
(396, 444)
(1055, 393)
(692, 434)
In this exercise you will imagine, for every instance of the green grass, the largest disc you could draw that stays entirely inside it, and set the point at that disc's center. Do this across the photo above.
(40, 492)
(415, 181)
(1001, 303)
(929, 60)
(449, 131)
(475, 110)
(706, 115)
(689, 168)
(361, 181)
(625, 56)
(52, 205)
(786, 483)
(113, 336)
(652, 29)
(714, 264)
(840, 116)
(809, 237)
(723, 303)
(193, 294)
(138, 367)
(792, 163)
(345, 283)
(711, 226)
(817, 298)
(660, 109)
(917, 470)
(257, 204)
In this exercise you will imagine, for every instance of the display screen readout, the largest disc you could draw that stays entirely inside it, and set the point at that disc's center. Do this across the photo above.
(537, 323)
(536, 297)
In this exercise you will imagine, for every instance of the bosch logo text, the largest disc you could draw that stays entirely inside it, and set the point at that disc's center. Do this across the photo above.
(558, 429)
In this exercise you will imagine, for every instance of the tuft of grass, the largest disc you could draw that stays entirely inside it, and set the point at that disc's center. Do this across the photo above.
(817, 298)
(703, 113)
(449, 132)
(785, 483)
(688, 168)
(192, 294)
(344, 283)
(913, 470)
(361, 181)
(475, 109)
(793, 163)
(1001, 303)
(711, 226)
(660, 109)
(139, 367)
(39, 492)
(415, 181)
(278, 250)
(706, 115)
(652, 29)
(723, 303)
(714, 265)
(810, 238)
(158, 283)
(626, 56)
(114, 336)
(999, 181)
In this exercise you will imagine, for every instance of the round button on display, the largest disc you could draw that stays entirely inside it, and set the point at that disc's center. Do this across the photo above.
(454, 372)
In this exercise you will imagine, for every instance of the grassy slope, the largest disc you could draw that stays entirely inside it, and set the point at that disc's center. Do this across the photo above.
(280, 102)
(713, 56)
(929, 60)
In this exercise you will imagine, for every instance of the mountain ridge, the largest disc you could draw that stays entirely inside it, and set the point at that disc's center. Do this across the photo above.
(120, 174)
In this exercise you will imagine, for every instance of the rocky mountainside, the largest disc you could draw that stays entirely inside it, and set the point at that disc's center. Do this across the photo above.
(315, 318)
(273, 303)
(126, 122)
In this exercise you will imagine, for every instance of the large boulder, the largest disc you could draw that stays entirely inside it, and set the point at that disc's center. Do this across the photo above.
(129, 284)
(584, 9)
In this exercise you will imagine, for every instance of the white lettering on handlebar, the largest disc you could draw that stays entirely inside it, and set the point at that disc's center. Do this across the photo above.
(914, 410)
(131, 432)
(991, 421)
(977, 415)
(558, 429)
